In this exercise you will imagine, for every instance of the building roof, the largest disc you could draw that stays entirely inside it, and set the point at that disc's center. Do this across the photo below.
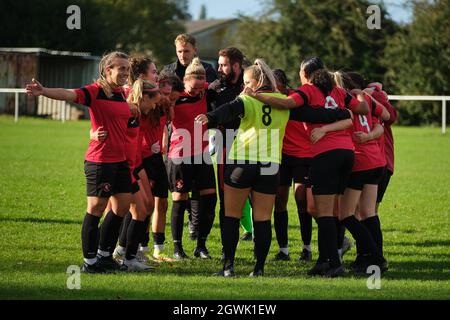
(197, 26)
(42, 51)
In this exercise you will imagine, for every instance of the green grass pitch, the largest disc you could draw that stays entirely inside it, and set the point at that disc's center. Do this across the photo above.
(42, 204)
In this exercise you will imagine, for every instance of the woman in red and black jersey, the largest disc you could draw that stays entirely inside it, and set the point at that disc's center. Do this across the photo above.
(333, 156)
(367, 172)
(145, 96)
(295, 165)
(106, 169)
(154, 146)
(189, 162)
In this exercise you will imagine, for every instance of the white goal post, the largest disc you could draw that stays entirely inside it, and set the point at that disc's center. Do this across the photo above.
(444, 99)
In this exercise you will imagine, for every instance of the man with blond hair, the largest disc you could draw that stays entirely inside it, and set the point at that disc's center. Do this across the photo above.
(186, 49)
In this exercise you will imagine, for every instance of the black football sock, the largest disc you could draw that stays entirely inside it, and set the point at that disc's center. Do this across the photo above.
(230, 239)
(363, 236)
(207, 210)
(281, 220)
(109, 232)
(146, 235)
(374, 226)
(305, 227)
(340, 230)
(178, 208)
(90, 236)
(134, 235)
(262, 237)
(327, 241)
(159, 238)
(124, 230)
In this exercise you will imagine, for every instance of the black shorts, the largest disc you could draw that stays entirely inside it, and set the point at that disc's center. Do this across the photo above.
(106, 179)
(262, 178)
(382, 186)
(359, 178)
(157, 175)
(184, 176)
(330, 171)
(137, 170)
(296, 169)
(135, 187)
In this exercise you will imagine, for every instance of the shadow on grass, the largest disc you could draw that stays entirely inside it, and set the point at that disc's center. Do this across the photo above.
(418, 270)
(426, 243)
(39, 220)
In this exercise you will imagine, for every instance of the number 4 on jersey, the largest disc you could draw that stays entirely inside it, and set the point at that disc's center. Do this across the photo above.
(331, 103)
(364, 122)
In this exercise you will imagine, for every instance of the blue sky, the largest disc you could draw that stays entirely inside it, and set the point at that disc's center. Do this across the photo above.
(230, 8)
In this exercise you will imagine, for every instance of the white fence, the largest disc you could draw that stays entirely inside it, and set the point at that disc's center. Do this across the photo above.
(63, 109)
(57, 110)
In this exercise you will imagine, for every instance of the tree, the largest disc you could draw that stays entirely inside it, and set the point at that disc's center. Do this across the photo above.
(145, 26)
(289, 31)
(418, 60)
(203, 12)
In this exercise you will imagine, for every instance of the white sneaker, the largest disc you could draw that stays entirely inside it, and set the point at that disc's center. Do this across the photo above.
(136, 266)
(159, 255)
(119, 254)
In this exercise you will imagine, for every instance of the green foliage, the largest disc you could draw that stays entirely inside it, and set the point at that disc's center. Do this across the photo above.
(336, 31)
(42, 205)
(145, 26)
(418, 61)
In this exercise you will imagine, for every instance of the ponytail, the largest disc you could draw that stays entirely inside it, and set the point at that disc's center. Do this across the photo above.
(266, 75)
(261, 72)
(141, 87)
(310, 65)
(323, 80)
(343, 80)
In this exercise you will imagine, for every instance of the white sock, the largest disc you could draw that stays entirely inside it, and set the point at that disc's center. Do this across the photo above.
(307, 247)
(121, 250)
(143, 249)
(104, 254)
(285, 250)
(90, 261)
(159, 247)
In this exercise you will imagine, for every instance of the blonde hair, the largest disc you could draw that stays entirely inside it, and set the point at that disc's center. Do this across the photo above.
(107, 62)
(139, 88)
(261, 71)
(195, 70)
(186, 38)
(342, 80)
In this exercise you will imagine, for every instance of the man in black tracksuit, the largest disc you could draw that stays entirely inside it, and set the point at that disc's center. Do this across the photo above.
(223, 90)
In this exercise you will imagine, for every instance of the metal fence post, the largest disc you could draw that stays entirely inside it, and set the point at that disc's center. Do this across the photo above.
(16, 107)
(444, 116)
(63, 111)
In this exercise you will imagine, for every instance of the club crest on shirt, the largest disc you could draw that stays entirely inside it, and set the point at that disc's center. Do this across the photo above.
(179, 184)
(106, 187)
